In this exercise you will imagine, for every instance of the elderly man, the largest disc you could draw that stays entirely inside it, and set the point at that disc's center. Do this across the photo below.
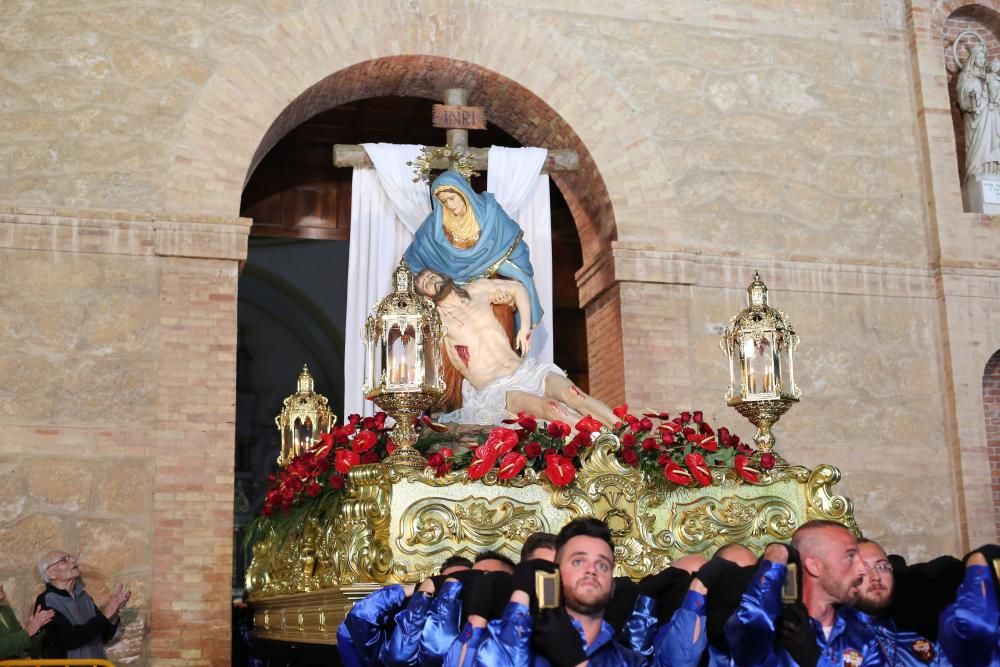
(831, 571)
(78, 629)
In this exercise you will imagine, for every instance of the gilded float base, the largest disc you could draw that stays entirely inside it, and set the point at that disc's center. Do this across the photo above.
(396, 525)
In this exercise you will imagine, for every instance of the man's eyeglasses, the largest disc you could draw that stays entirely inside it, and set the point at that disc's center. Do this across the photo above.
(51, 565)
(882, 567)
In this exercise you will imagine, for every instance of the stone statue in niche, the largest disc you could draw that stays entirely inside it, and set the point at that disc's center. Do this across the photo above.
(978, 95)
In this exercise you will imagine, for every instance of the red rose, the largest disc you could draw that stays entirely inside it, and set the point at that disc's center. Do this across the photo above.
(629, 440)
(322, 466)
(527, 422)
(369, 424)
(511, 465)
(767, 461)
(723, 436)
(532, 449)
(571, 450)
(435, 460)
(663, 459)
(364, 441)
(558, 429)
(313, 489)
(336, 481)
(353, 419)
(646, 424)
(268, 509)
(649, 444)
(390, 446)
(635, 426)
(581, 439)
(446, 452)
(369, 457)
(560, 470)
(294, 483)
(697, 416)
(630, 457)
(685, 417)
(621, 411)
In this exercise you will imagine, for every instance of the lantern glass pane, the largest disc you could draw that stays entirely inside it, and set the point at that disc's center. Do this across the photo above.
(759, 355)
(430, 367)
(785, 367)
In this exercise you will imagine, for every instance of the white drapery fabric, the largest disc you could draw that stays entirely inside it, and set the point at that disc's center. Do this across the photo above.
(515, 179)
(386, 209)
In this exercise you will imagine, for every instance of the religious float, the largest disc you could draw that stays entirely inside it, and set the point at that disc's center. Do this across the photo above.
(362, 504)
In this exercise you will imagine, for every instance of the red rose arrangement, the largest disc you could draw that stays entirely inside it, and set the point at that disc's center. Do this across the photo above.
(323, 469)
(681, 449)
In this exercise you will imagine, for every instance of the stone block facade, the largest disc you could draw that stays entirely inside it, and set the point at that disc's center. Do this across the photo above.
(808, 140)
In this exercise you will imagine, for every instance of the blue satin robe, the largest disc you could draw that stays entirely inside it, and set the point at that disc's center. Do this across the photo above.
(751, 630)
(368, 622)
(969, 634)
(507, 643)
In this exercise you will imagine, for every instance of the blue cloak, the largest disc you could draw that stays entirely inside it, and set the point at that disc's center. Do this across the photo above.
(500, 250)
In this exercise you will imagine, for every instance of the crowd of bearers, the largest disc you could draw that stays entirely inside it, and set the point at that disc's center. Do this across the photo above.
(824, 599)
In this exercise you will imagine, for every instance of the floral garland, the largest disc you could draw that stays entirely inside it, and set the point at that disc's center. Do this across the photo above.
(680, 449)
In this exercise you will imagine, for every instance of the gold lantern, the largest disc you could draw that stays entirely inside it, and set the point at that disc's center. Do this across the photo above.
(403, 372)
(760, 344)
(304, 417)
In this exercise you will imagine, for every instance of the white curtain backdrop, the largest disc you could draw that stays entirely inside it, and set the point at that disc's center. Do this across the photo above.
(515, 179)
(386, 209)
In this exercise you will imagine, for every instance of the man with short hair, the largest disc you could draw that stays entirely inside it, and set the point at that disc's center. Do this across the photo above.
(870, 609)
(831, 569)
(539, 545)
(574, 633)
(78, 629)
(493, 561)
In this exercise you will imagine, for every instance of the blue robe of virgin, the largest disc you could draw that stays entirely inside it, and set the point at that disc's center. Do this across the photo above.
(500, 250)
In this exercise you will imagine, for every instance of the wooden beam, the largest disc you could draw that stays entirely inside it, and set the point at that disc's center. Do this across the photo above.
(352, 155)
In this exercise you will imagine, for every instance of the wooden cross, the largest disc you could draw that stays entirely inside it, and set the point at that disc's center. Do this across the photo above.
(457, 119)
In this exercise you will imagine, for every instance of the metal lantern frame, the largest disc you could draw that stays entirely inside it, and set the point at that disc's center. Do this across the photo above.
(304, 417)
(760, 346)
(404, 373)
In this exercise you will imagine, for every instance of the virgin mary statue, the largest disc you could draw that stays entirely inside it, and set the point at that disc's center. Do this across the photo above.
(468, 236)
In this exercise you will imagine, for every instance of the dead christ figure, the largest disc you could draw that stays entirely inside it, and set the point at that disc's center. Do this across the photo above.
(499, 383)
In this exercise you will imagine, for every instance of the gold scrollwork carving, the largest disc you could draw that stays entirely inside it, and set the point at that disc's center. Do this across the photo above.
(477, 522)
(396, 524)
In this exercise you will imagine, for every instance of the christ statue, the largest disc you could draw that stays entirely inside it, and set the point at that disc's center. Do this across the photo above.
(498, 383)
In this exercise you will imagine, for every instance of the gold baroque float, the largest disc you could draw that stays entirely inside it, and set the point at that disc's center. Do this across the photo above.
(396, 525)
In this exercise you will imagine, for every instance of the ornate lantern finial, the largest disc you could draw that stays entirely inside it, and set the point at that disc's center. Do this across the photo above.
(403, 371)
(304, 416)
(760, 345)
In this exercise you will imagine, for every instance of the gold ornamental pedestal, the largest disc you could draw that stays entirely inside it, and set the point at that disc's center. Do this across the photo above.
(396, 525)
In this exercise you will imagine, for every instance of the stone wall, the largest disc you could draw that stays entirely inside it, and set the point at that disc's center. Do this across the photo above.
(809, 140)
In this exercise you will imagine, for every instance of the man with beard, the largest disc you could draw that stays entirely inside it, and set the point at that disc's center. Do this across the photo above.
(499, 383)
(831, 569)
(570, 635)
(870, 609)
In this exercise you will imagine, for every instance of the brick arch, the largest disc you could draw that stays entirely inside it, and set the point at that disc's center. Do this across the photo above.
(991, 415)
(530, 62)
(509, 105)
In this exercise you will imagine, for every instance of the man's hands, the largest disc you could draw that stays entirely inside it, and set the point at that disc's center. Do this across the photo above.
(37, 620)
(776, 552)
(556, 638)
(796, 635)
(524, 580)
(118, 600)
